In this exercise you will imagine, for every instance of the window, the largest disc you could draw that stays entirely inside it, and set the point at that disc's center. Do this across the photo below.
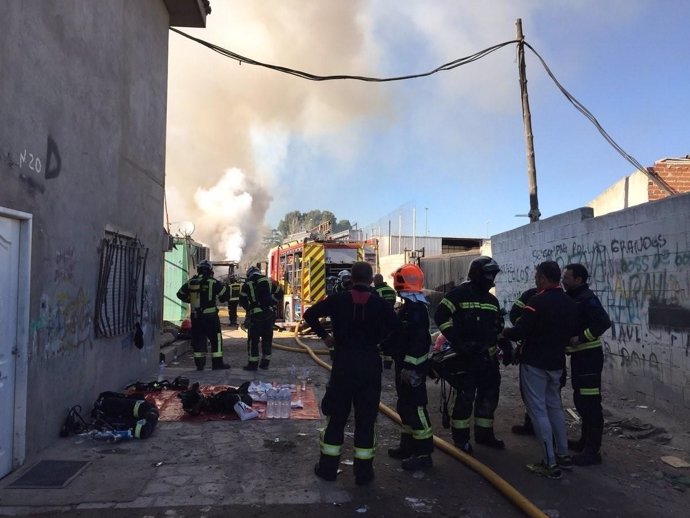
(119, 295)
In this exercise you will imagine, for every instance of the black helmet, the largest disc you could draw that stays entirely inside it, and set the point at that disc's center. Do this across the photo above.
(204, 267)
(482, 271)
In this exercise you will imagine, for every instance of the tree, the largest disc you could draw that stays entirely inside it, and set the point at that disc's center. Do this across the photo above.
(296, 221)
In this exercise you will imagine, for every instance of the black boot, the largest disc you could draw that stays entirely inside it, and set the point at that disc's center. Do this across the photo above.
(461, 439)
(364, 471)
(417, 462)
(218, 364)
(200, 363)
(251, 366)
(327, 467)
(524, 429)
(590, 455)
(486, 437)
(264, 363)
(404, 450)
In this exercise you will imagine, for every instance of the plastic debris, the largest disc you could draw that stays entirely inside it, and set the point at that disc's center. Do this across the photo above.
(363, 509)
(675, 462)
(420, 505)
(347, 462)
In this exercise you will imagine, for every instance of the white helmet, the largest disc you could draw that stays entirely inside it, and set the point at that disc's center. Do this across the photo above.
(344, 275)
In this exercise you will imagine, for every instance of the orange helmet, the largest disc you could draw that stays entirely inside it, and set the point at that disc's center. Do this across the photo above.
(408, 277)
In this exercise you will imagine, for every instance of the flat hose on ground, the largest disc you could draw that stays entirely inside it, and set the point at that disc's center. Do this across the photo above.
(512, 494)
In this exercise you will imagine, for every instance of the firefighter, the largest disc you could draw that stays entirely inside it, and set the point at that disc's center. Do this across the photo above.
(344, 281)
(586, 364)
(278, 295)
(410, 349)
(203, 292)
(235, 287)
(470, 319)
(383, 290)
(256, 299)
(359, 320)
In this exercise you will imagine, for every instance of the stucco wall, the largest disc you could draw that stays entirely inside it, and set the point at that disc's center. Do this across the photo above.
(625, 193)
(82, 147)
(639, 263)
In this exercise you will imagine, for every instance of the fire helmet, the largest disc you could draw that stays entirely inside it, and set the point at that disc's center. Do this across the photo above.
(408, 277)
(483, 271)
(344, 275)
(204, 267)
(252, 271)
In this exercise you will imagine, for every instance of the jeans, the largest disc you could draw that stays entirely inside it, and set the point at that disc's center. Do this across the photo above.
(541, 391)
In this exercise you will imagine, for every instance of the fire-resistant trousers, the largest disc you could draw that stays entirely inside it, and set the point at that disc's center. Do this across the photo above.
(585, 371)
(478, 390)
(206, 327)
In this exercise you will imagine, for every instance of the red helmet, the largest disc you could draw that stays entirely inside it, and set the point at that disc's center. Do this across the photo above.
(408, 277)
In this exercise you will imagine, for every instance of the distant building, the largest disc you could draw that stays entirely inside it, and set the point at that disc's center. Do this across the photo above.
(637, 188)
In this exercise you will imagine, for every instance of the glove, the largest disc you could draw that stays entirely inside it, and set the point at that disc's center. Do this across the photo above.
(507, 350)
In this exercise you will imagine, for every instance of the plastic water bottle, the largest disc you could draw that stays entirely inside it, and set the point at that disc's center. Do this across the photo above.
(161, 370)
(285, 403)
(271, 403)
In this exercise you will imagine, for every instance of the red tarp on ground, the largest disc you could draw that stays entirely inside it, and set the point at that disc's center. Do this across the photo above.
(170, 406)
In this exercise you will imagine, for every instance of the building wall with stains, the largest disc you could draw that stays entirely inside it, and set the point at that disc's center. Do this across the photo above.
(82, 149)
(639, 265)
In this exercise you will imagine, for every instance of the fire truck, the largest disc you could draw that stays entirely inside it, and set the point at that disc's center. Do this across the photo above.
(307, 268)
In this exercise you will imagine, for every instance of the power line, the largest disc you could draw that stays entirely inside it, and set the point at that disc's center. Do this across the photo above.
(445, 67)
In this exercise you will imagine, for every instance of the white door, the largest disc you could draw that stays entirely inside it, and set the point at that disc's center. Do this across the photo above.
(9, 273)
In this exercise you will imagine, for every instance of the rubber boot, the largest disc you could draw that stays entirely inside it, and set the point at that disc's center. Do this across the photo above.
(251, 366)
(264, 363)
(363, 470)
(590, 455)
(417, 462)
(218, 364)
(486, 437)
(461, 439)
(524, 429)
(404, 450)
(200, 363)
(327, 467)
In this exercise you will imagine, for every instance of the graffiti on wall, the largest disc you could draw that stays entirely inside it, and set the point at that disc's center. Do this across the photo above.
(32, 164)
(65, 321)
(644, 283)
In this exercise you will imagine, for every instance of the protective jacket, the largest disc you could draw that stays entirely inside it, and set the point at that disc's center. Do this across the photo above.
(518, 307)
(594, 320)
(387, 293)
(256, 298)
(203, 292)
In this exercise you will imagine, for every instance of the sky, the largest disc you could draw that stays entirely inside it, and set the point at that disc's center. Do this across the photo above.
(246, 144)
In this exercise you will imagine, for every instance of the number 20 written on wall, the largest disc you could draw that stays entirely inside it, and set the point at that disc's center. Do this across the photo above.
(33, 162)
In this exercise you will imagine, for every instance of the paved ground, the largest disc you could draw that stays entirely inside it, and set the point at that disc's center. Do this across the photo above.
(264, 467)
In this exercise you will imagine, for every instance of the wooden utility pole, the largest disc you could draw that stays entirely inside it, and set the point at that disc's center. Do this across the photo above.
(527, 121)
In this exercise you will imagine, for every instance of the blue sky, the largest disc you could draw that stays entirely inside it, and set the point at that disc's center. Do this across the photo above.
(247, 145)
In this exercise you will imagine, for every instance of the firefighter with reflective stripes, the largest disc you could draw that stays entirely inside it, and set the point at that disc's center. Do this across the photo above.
(383, 290)
(586, 364)
(470, 319)
(235, 287)
(410, 349)
(256, 299)
(203, 292)
(344, 282)
(359, 320)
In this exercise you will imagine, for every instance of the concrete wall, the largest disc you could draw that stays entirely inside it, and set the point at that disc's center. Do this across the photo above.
(82, 149)
(625, 193)
(639, 263)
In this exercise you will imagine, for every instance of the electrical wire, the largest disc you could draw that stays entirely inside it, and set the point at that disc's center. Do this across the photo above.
(584, 111)
(314, 77)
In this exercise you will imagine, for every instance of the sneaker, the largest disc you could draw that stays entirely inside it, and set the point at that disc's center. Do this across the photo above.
(417, 462)
(587, 459)
(564, 461)
(552, 472)
(521, 429)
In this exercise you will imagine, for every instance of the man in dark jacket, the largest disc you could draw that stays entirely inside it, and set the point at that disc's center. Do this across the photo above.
(360, 320)
(586, 364)
(470, 319)
(545, 328)
(203, 292)
(383, 290)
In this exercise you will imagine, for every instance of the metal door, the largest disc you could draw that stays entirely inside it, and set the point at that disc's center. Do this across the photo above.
(9, 274)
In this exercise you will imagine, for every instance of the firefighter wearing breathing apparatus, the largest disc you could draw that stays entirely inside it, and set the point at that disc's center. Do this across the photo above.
(409, 347)
(470, 319)
(203, 292)
(256, 299)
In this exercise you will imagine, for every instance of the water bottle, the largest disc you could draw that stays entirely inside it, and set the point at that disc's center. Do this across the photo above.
(271, 403)
(285, 403)
(161, 371)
